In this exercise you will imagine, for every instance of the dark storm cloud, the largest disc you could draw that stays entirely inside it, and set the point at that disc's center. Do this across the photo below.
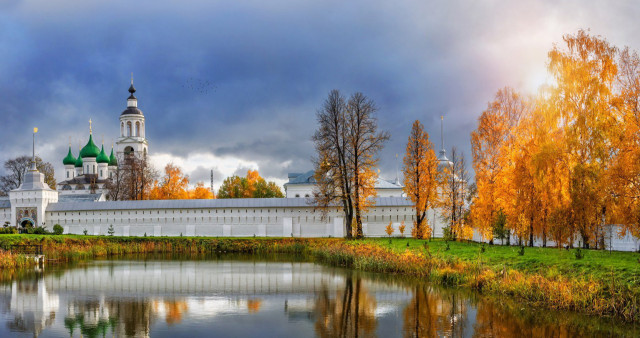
(244, 79)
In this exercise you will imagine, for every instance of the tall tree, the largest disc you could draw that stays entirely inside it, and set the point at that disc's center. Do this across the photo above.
(420, 177)
(17, 169)
(347, 142)
(584, 73)
(364, 143)
(200, 192)
(133, 180)
(251, 186)
(174, 185)
(332, 172)
(625, 171)
(489, 142)
(453, 195)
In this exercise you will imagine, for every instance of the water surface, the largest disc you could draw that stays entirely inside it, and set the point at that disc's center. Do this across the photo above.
(278, 296)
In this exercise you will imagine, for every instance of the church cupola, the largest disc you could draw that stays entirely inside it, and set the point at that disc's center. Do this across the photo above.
(70, 159)
(132, 101)
(113, 161)
(69, 164)
(103, 163)
(89, 153)
(79, 164)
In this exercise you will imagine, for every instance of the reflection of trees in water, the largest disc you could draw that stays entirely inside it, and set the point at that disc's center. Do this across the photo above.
(508, 318)
(174, 310)
(433, 314)
(349, 314)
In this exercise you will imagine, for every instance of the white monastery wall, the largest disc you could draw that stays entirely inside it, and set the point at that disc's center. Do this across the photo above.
(5, 216)
(244, 220)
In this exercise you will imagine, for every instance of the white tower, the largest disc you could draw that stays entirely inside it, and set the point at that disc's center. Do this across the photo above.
(29, 201)
(132, 140)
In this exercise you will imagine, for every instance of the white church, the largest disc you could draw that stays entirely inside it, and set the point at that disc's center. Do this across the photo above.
(79, 205)
(90, 171)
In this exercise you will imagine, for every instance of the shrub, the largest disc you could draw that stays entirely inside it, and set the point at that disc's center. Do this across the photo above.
(58, 229)
(446, 247)
(85, 232)
(578, 253)
(111, 231)
(401, 228)
(521, 251)
(8, 230)
(447, 235)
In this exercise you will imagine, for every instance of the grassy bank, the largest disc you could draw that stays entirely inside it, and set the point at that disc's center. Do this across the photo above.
(599, 283)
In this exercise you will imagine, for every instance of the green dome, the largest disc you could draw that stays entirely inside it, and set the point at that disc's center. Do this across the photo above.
(69, 160)
(102, 157)
(79, 162)
(90, 150)
(113, 161)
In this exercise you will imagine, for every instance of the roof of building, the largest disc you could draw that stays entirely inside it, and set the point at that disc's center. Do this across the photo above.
(307, 178)
(70, 159)
(384, 184)
(443, 160)
(90, 150)
(301, 178)
(83, 179)
(79, 198)
(132, 111)
(213, 204)
(33, 180)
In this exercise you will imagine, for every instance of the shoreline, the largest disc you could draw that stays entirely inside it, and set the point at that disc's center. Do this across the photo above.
(545, 285)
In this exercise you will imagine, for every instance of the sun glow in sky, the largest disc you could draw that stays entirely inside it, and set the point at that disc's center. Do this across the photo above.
(232, 86)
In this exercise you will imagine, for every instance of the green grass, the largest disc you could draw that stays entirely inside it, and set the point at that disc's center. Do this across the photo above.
(599, 265)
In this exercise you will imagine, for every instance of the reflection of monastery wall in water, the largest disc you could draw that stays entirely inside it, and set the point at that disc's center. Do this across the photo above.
(137, 279)
(332, 302)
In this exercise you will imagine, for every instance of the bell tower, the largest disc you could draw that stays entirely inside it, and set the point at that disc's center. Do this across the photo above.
(132, 140)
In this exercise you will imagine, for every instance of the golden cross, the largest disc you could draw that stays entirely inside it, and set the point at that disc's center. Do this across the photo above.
(90, 130)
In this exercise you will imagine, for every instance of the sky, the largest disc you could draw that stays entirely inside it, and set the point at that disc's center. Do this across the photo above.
(235, 85)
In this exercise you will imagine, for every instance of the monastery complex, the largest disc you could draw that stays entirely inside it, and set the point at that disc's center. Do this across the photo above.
(80, 207)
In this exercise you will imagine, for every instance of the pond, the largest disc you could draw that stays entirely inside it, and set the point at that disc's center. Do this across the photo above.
(275, 296)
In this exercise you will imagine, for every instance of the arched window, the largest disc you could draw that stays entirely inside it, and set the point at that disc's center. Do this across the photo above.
(121, 128)
(129, 128)
(138, 129)
(128, 151)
